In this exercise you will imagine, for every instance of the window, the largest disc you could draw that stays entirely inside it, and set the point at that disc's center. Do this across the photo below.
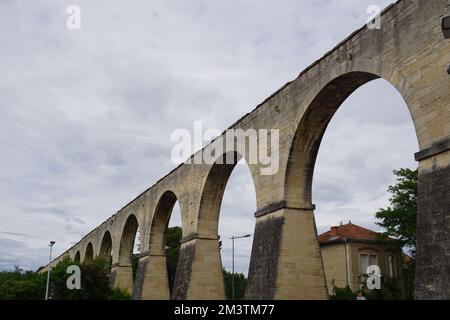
(391, 266)
(366, 260)
(363, 263)
(373, 260)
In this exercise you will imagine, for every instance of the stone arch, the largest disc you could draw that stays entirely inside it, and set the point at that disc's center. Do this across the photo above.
(204, 245)
(77, 257)
(153, 277)
(122, 271)
(160, 222)
(315, 119)
(213, 192)
(286, 226)
(127, 240)
(106, 246)
(296, 220)
(89, 253)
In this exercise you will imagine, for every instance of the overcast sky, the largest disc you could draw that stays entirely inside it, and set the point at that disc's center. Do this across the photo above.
(86, 115)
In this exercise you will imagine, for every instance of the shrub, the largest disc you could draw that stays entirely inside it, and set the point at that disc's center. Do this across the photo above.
(343, 294)
(119, 294)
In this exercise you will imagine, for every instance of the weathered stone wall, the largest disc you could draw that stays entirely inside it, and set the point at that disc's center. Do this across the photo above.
(263, 266)
(183, 273)
(433, 229)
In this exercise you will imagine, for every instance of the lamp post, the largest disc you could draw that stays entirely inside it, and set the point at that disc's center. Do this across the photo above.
(49, 269)
(232, 261)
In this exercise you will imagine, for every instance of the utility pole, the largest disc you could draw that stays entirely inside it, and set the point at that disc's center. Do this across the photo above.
(232, 261)
(49, 269)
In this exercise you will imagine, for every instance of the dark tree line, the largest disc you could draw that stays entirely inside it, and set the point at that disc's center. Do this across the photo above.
(95, 278)
(29, 285)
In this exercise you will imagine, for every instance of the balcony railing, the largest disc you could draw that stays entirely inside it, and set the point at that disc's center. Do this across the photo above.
(391, 283)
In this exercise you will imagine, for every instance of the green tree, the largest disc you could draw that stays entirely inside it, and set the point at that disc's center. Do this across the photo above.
(94, 281)
(119, 294)
(20, 285)
(343, 294)
(173, 244)
(240, 282)
(400, 218)
(29, 285)
(58, 282)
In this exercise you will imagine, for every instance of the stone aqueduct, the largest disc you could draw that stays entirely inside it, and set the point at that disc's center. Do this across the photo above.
(411, 53)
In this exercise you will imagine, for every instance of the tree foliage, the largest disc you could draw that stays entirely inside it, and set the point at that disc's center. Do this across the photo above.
(240, 282)
(343, 294)
(173, 244)
(400, 218)
(21, 285)
(95, 283)
(95, 278)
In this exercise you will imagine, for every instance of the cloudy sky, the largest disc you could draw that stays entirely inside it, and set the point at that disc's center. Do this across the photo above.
(86, 115)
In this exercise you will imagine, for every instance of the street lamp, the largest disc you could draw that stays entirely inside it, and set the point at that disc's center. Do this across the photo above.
(49, 268)
(232, 261)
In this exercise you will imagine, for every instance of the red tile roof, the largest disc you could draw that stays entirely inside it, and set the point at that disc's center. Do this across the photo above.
(346, 231)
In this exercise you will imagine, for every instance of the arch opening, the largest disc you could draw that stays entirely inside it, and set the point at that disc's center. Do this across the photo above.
(309, 134)
(106, 248)
(89, 254)
(227, 210)
(166, 234)
(77, 257)
(128, 261)
(127, 242)
(352, 175)
(136, 252)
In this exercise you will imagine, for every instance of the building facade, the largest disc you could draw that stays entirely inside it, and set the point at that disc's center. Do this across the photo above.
(347, 250)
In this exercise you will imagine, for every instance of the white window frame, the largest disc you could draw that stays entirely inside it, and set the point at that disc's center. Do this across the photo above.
(368, 256)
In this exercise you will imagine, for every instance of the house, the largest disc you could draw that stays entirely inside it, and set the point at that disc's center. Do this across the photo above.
(347, 250)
